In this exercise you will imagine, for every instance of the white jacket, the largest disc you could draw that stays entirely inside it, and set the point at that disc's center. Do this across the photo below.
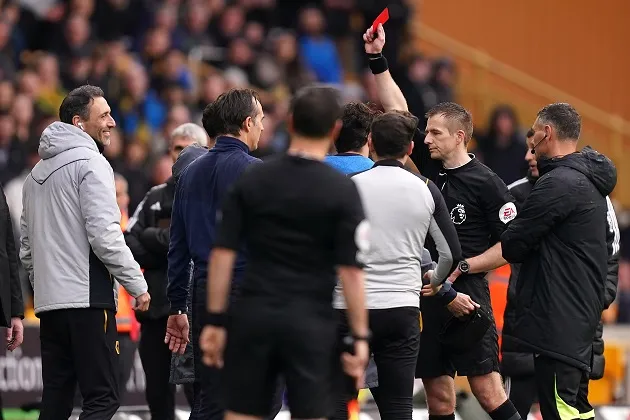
(71, 242)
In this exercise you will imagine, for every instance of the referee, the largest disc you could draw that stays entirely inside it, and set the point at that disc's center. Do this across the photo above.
(402, 208)
(480, 207)
(302, 222)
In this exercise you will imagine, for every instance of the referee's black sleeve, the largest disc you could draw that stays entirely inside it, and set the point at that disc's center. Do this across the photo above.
(230, 219)
(499, 206)
(352, 236)
(444, 235)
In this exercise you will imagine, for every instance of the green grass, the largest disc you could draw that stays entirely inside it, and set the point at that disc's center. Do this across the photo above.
(17, 414)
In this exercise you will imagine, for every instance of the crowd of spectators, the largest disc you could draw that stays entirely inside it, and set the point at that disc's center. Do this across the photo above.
(160, 62)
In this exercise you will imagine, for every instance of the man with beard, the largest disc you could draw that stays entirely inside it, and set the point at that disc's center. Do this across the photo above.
(560, 237)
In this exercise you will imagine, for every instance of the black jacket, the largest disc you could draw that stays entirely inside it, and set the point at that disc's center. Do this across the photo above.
(11, 301)
(560, 237)
(147, 236)
(513, 361)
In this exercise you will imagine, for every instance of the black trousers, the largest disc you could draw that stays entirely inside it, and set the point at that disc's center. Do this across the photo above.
(156, 362)
(562, 390)
(79, 345)
(209, 403)
(395, 344)
(521, 390)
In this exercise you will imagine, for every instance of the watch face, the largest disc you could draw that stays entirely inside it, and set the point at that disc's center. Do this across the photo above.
(464, 267)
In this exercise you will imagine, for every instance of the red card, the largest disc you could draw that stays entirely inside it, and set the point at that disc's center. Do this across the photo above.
(382, 18)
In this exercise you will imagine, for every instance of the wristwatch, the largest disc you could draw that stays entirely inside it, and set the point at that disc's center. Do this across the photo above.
(463, 266)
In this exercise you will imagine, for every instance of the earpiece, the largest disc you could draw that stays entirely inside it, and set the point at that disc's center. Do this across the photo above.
(81, 126)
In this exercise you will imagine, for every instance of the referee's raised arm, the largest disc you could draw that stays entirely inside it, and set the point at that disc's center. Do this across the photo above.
(389, 93)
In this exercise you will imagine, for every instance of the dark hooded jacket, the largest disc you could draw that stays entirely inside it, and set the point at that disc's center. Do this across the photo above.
(560, 237)
(147, 235)
(515, 361)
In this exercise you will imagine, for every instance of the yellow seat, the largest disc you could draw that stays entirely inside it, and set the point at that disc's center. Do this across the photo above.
(602, 391)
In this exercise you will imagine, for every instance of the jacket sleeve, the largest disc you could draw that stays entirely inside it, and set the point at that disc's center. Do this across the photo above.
(156, 240)
(444, 236)
(26, 256)
(548, 204)
(97, 197)
(178, 256)
(17, 303)
(612, 241)
(135, 228)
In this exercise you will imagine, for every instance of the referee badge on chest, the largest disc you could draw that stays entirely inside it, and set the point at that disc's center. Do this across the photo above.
(458, 214)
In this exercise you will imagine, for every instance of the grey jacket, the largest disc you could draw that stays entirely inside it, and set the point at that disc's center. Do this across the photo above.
(71, 243)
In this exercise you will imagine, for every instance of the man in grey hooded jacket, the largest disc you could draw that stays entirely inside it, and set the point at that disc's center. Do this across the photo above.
(73, 250)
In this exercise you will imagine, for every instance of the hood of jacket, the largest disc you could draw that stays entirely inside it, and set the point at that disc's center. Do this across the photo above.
(186, 157)
(57, 139)
(600, 170)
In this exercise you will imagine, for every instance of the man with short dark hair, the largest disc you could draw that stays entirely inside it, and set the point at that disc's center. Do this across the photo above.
(73, 249)
(560, 237)
(394, 264)
(301, 221)
(351, 144)
(236, 117)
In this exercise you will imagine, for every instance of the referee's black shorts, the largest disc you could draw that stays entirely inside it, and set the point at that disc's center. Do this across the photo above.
(266, 341)
(435, 359)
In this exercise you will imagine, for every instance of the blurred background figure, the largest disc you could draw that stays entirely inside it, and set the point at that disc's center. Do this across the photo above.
(503, 146)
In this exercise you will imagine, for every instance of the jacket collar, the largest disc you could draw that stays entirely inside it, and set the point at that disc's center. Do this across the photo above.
(230, 143)
(531, 178)
(388, 162)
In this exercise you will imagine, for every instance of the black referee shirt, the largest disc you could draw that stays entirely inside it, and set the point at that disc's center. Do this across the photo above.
(479, 203)
(299, 218)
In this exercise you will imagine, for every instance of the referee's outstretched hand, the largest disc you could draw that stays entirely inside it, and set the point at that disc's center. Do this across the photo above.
(354, 364)
(177, 333)
(212, 343)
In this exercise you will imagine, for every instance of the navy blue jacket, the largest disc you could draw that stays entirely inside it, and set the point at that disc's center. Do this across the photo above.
(198, 196)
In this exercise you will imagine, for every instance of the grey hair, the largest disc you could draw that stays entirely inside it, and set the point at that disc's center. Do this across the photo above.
(192, 131)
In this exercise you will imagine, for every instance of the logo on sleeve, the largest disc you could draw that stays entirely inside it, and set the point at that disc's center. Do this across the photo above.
(458, 214)
(507, 213)
(362, 236)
